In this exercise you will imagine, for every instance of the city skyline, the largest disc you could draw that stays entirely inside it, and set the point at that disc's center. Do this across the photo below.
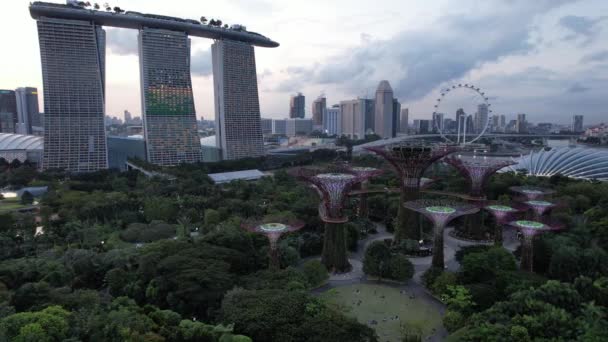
(556, 54)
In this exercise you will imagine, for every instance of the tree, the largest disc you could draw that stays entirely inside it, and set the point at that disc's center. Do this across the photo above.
(401, 268)
(50, 324)
(315, 272)
(376, 260)
(27, 198)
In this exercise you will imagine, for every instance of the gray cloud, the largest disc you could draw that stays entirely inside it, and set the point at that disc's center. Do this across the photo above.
(583, 27)
(418, 61)
(200, 63)
(122, 41)
(577, 88)
(599, 56)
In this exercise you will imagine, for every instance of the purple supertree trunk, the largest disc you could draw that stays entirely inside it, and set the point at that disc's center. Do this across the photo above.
(273, 231)
(539, 208)
(502, 214)
(529, 230)
(410, 161)
(365, 173)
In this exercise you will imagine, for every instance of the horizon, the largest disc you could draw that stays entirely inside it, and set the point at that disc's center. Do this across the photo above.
(545, 59)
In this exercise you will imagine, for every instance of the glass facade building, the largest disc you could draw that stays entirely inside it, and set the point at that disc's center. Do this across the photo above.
(168, 105)
(8, 111)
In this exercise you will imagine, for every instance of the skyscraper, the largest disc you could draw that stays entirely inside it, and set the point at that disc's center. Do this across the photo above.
(481, 118)
(296, 106)
(332, 121)
(266, 125)
(577, 123)
(356, 117)
(27, 110)
(522, 125)
(319, 107)
(237, 106)
(8, 111)
(128, 117)
(396, 117)
(404, 121)
(383, 120)
(437, 123)
(168, 111)
(72, 53)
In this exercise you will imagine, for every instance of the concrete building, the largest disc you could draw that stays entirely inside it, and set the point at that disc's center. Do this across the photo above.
(8, 111)
(128, 117)
(481, 118)
(438, 122)
(332, 121)
(319, 107)
(237, 106)
(297, 104)
(298, 127)
(357, 117)
(266, 125)
(120, 149)
(522, 124)
(577, 124)
(404, 122)
(396, 117)
(422, 126)
(279, 127)
(383, 118)
(28, 115)
(169, 116)
(73, 74)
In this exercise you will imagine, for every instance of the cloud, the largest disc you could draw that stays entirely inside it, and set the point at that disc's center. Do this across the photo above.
(122, 41)
(416, 62)
(200, 63)
(599, 56)
(577, 88)
(581, 27)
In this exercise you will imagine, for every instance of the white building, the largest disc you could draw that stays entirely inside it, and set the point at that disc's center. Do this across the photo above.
(332, 119)
(298, 127)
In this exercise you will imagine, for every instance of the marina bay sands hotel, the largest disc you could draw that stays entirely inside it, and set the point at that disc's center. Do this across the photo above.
(72, 50)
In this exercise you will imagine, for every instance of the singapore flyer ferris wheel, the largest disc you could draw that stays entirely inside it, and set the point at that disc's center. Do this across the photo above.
(462, 113)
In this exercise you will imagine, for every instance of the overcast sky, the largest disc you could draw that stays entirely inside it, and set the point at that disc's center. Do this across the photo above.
(548, 59)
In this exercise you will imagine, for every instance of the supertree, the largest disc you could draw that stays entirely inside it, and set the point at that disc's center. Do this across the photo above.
(539, 207)
(365, 173)
(273, 231)
(332, 187)
(409, 161)
(440, 212)
(502, 215)
(529, 230)
(477, 169)
(532, 192)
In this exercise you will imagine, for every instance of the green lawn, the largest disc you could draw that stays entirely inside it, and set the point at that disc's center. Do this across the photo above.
(11, 204)
(415, 314)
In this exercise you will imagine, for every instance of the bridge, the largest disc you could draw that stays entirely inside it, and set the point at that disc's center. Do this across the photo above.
(135, 20)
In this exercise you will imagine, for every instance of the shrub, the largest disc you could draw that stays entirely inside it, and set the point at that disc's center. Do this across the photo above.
(442, 281)
(315, 272)
(429, 276)
(401, 268)
(453, 320)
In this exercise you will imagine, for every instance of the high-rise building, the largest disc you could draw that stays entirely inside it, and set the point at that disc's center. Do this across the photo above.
(481, 118)
(396, 117)
(495, 123)
(356, 117)
(404, 120)
(128, 117)
(8, 111)
(72, 53)
(296, 106)
(438, 123)
(319, 107)
(522, 125)
(237, 105)
(503, 122)
(577, 123)
(422, 126)
(266, 125)
(27, 110)
(298, 127)
(332, 121)
(383, 119)
(170, 128)
(279, 127)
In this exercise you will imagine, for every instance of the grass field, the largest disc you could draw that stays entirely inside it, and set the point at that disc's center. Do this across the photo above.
(10, 204)
(383, 304)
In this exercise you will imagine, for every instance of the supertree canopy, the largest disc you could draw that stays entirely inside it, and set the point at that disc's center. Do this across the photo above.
(440, 212)
(410, 160)
(365, 173)
(532, 192)
(273, 231)
(333, 188)
(502, 214)
(539, 207)
(529, 230)
(477, 169)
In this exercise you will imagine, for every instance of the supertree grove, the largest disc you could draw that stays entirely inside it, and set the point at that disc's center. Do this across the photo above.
(365, 173)
(532, 192)
(273, 231)
(440, 212)
(539, 207)
(529, 230)
(410, 160)
(502, 215)
(333, 188)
